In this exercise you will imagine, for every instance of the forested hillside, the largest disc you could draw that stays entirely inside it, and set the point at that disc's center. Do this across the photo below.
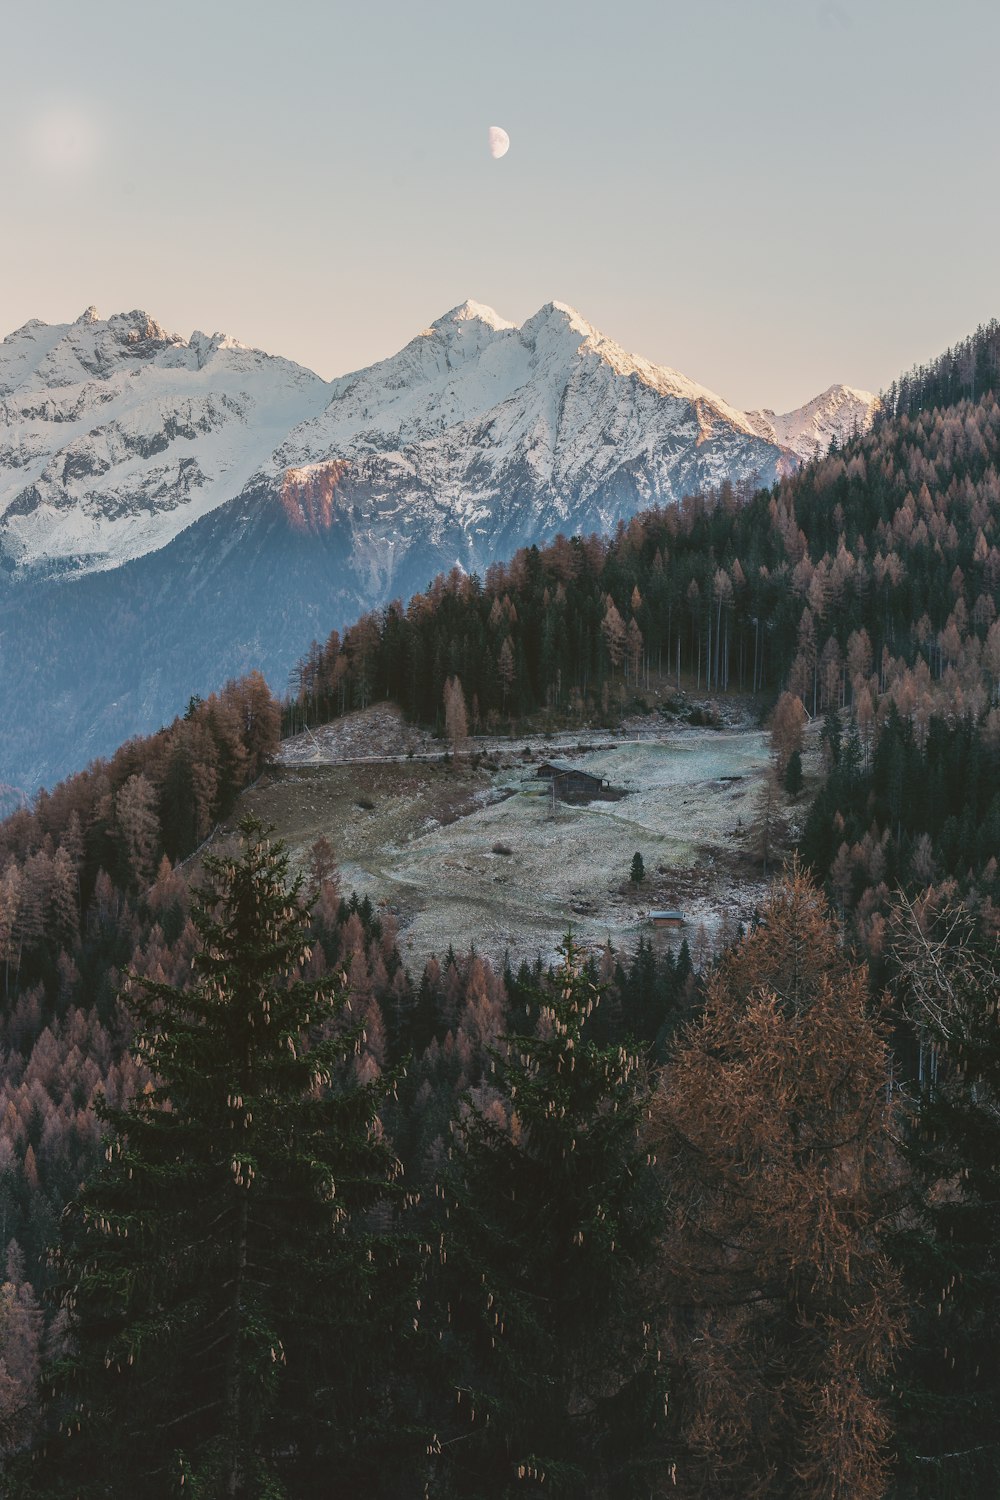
(962, 373)
(620, 1229)
(867, 578)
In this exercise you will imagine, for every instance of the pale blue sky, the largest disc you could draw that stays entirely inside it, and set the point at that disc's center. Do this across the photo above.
(770, 195)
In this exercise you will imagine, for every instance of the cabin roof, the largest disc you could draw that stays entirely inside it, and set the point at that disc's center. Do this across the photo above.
(672, 915)
(567, 768)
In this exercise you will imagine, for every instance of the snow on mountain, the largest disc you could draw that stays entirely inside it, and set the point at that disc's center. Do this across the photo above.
(809, 430)
(554, 390)
(115, 435)
(177, 511)
(480, 436)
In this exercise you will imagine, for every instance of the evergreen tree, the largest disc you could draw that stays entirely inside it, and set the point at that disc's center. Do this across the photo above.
(831, 735)
(637, 873)
(554, 1378)
(793, 774)
(948, 1394)
(222, 1291)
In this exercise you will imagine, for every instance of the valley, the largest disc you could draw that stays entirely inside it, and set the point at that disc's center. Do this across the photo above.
(844, 609)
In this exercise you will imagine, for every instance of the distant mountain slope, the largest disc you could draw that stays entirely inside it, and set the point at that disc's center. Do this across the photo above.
(808, 431)
(189, 508)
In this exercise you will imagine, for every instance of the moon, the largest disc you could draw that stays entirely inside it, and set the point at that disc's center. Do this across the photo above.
(499, 142)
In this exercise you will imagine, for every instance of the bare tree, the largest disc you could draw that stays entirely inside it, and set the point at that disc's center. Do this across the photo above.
(456, 719)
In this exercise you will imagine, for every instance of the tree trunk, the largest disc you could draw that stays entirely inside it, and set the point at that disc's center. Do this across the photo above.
(233, 1400)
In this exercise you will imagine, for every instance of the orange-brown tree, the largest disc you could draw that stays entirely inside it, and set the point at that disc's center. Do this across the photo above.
(456, 719)
(771, 1127)
(787, 723)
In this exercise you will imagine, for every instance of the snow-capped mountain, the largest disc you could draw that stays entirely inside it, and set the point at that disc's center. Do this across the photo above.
(808, 431)
(174, 511)
(115, 435)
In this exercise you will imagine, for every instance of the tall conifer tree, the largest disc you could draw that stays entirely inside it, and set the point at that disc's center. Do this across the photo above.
(224, 1291)
(773, 1130)
(556, 1384)
(948, 1393)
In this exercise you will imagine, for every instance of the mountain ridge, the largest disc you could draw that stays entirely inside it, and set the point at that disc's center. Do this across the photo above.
(116, 434)
(176, 511)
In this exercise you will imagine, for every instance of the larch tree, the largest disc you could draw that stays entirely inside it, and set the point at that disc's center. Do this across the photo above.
(614, 633)
(224, 1285)
(138, 825)
(772, 1132)
(633, 648)
(787, 723)
(260, 719)
(456, 719)
(505, 669)
(322, 867)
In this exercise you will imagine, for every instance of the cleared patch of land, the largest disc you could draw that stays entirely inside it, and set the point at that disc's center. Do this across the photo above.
(477, 855)
(379, 731)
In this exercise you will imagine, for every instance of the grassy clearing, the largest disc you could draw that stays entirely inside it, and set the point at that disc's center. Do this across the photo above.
(469, 855)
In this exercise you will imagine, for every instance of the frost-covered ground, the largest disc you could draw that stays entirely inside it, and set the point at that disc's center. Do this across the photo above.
(430, 846)
(572, 867)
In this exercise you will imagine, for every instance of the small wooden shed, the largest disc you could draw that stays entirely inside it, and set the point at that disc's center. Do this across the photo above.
(571, 783)
(668, 921)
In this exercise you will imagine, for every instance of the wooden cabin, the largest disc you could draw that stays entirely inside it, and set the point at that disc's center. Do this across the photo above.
(571, 783)
(668, 921)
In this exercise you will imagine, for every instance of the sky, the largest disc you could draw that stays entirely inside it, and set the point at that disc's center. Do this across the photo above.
(768, 195)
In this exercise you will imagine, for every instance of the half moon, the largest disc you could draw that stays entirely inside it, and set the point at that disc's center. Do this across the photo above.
(499, 142)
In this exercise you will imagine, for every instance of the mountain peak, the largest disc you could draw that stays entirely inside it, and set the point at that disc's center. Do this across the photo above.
(118, 434)
(472, 312)
(557, 318)
(561, 312)
(138, 327)
(834, 415)
(841, 392)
